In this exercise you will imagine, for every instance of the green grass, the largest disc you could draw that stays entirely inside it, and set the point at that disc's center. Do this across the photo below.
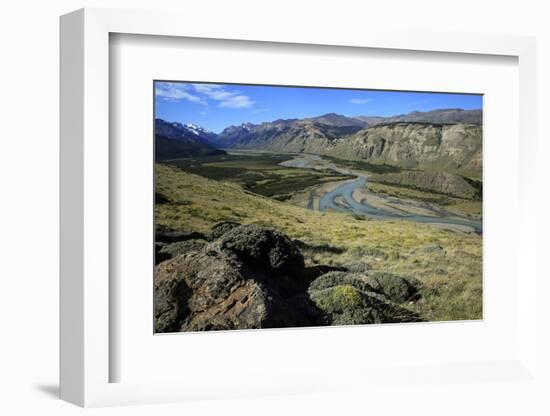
(448, 263)
(260, 174)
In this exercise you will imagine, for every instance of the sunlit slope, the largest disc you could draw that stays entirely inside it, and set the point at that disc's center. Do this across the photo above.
(449, 263)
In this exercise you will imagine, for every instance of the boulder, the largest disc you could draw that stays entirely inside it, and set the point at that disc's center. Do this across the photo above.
(397, 288)
(262, 247)
(347, 305)
(221, 228)
(356, 298)
(358, 266)
(244, 280)
(337, 278)
(254, 277)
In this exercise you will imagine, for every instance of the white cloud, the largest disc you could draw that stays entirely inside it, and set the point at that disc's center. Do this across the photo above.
(226, 98)
(171, 91)
(237, 101)
(360, 100)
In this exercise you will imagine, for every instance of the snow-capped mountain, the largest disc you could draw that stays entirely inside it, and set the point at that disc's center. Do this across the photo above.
(175, 129)
(197, 130)
(175, 140)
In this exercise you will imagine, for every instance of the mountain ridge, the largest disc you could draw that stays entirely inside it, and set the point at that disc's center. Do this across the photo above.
(441, 116)
(410, 140)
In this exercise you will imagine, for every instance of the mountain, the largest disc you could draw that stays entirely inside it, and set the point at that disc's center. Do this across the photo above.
(311, 135)
(454, 147)
(200, 132)
(175, 130)
(175, 140)
(338, 121)
(441, 116)
(447, 139)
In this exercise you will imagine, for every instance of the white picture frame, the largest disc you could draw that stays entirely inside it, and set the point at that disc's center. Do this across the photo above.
(85, 210)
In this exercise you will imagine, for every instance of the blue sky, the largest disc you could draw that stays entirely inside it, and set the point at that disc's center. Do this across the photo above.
(216, 106)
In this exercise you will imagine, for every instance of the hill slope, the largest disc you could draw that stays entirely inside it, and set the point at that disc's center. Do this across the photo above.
(449, 264)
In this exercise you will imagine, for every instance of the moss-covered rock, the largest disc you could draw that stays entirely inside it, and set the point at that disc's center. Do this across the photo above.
(347, 305)
(338, 278)
(221, 228)
(358, 266)
(397, 288)
(357, 298)
(264, 247)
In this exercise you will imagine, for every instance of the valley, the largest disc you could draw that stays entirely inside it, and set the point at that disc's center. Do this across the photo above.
(314, 183)
(327, 220)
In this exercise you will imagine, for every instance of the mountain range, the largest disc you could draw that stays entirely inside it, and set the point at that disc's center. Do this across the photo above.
(174, 140)
(448, 139)
(441, 116)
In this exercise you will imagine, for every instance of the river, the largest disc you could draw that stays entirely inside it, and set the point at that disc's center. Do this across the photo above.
(351, 205)
(328, 201)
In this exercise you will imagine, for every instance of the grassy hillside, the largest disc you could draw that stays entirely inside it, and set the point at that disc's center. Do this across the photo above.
(448, 263)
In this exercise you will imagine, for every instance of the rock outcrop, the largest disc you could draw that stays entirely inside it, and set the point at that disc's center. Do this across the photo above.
(254, 277)
(249, 278)
(221, 228)
(456, 147)
(352, 298)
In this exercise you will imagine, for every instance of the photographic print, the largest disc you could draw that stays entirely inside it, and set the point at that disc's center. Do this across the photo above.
(288, 206)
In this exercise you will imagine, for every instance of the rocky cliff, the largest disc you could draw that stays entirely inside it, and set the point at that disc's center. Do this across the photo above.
(456, 147)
